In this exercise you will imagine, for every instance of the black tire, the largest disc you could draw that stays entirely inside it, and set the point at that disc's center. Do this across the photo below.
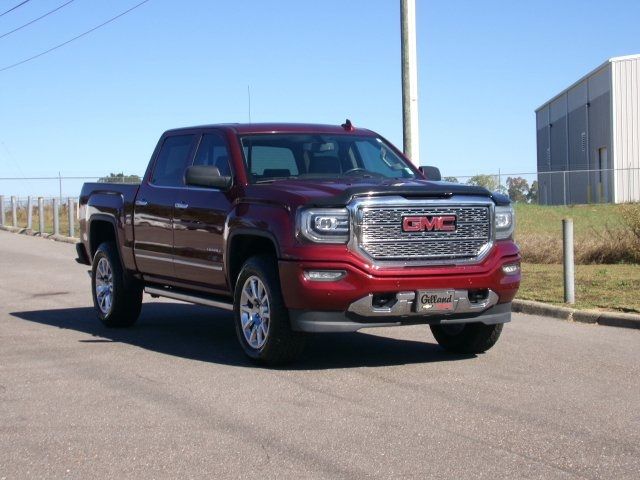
(467, 338)
(281, 344)
(126, 292)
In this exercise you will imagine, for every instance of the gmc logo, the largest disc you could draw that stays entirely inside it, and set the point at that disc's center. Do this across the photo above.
(444, 223)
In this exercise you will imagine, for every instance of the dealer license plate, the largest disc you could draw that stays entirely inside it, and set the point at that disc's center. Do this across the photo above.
(435, 301)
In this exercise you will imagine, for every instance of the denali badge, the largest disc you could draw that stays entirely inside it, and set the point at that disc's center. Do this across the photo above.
(443, 223)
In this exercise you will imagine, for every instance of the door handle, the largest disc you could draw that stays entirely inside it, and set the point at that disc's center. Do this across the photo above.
(141, 203)
(181, 205)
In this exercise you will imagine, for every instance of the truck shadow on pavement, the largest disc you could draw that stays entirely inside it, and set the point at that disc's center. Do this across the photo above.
(208, 335)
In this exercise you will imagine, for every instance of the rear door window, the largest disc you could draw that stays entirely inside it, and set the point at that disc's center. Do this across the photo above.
(172, 161)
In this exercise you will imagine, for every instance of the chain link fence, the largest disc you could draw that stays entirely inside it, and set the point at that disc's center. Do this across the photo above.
(47, 205)
(60, 186)
(566, 187)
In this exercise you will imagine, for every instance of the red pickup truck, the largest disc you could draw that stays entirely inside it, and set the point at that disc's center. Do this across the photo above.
(300, 228)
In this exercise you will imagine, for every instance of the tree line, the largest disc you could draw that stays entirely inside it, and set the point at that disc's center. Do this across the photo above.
(517, 188)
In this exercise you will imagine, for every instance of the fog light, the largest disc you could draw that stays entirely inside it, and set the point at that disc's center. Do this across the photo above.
(511, 269)
(324, 275)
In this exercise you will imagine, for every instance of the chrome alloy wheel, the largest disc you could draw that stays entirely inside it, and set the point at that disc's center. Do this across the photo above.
(255, 313)
(104, 286)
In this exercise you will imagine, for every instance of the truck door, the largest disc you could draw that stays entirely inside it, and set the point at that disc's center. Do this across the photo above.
(153, 210)
(199, 221)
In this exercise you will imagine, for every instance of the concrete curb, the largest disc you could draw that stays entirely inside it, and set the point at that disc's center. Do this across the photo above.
(611, 319)
(32, 233)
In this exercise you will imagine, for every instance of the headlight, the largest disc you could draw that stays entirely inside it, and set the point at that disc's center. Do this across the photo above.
(505, 222)
(325, 225)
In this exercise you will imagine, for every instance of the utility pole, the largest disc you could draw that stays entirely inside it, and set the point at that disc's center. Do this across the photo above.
(410, 131)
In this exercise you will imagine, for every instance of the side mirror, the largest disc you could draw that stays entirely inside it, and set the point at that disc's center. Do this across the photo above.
(206, 176)
(432, 173)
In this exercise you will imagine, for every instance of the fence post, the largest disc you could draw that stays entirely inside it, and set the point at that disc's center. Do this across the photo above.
(71, 214)
(569, 274)
(29, 213)
(2, 219)
(56, 217)
(14, 211)
(41, 215)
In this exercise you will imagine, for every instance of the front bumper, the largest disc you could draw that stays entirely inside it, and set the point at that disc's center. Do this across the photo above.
(348, 304)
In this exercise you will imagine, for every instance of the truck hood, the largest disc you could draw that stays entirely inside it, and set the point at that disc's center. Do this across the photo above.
(339, 192)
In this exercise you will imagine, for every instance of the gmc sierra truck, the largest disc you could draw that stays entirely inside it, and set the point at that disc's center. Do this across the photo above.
(299, 228)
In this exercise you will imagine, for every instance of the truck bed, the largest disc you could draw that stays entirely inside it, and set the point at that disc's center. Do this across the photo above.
(126, 190)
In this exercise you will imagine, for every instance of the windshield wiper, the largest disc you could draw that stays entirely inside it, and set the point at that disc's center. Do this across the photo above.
(273, 179)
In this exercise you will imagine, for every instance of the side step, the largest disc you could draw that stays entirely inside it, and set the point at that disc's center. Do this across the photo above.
(188, 297)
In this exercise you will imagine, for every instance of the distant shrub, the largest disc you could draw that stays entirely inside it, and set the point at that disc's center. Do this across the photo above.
(608, 246)
(630, 213)
(631, 216)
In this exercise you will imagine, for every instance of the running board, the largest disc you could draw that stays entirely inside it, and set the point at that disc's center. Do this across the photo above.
(184, 297)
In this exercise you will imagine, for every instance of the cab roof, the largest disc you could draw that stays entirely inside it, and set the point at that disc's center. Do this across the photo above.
(262, 128)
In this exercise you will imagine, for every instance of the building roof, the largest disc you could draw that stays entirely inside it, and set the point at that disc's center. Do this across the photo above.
(591, 73)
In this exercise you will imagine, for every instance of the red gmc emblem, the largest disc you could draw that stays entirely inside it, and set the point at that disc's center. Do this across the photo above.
(444, 223)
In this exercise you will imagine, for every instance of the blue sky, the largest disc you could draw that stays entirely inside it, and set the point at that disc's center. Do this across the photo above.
(98, 104)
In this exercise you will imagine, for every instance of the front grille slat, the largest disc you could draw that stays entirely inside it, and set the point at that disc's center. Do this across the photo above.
(381, 236)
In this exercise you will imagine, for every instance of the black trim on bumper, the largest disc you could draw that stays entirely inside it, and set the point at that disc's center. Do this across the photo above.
(319, 321)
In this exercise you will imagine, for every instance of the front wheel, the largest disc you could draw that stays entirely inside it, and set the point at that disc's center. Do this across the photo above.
(466, 337)
(261, 318)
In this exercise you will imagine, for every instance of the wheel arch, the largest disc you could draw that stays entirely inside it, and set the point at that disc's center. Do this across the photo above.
(245, 243)
(103, 228)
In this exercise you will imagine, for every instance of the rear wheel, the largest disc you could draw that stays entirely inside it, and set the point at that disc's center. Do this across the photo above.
(467, 337)
(117, 296)
(261, 318)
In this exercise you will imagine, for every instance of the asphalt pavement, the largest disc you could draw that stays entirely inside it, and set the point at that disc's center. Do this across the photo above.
(174, 397)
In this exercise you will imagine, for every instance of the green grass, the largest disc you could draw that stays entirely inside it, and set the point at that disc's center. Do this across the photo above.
(587, 219)
(609, 276)
(601, 233)
(602, 287)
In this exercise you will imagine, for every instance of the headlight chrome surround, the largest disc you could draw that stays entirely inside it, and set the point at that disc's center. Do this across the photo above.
(324, 225)
(505, 222)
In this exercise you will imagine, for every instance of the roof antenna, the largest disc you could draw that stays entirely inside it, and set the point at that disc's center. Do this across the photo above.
(249, 98)
(348, 126)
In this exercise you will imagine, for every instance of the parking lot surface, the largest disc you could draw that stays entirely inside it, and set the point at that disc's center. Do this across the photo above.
(174, 397)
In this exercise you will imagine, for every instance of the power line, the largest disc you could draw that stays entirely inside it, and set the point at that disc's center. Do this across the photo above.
(36, 19)
(74, 38)
(13, 8)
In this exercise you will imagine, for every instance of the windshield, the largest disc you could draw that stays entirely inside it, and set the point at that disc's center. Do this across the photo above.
(303, 156)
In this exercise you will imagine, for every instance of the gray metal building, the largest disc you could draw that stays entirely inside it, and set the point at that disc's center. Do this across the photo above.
(588, 138)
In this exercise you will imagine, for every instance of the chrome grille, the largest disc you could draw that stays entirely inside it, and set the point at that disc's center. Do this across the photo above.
(380, 233)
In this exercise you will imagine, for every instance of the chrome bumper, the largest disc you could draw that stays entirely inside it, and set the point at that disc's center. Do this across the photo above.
(404, 305)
